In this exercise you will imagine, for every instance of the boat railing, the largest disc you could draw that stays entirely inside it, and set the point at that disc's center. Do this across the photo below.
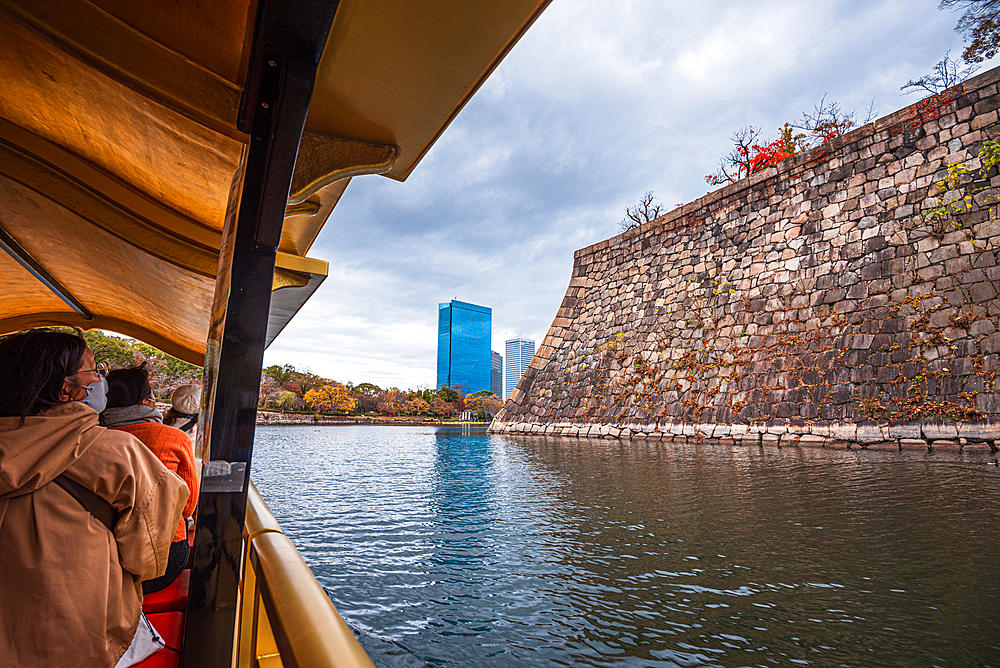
(286, 618)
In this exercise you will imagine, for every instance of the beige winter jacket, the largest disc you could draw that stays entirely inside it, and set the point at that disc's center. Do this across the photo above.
(70, 591)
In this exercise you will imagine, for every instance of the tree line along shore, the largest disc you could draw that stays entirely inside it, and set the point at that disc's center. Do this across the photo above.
(312, 399)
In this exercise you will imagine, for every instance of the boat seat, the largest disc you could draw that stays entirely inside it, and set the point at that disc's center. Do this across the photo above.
(170, 625)
(172, 598)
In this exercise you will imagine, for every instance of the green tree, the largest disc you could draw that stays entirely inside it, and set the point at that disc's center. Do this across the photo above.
(168, 365)
(112, 350)
(281, 374)
(287, 400)
(448, 394)
(166, 372)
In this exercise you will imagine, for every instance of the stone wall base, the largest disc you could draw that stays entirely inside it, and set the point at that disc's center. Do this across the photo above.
(909, 436)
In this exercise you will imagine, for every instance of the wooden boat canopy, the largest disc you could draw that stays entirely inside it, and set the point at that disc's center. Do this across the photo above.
(121, 141)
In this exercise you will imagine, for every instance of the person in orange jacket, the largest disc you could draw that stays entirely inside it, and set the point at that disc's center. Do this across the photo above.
(131, 408)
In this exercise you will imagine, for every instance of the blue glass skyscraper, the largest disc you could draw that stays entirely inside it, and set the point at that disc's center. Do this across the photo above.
(464, 337)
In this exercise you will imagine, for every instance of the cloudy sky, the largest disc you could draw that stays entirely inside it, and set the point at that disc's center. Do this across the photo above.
(598, 103)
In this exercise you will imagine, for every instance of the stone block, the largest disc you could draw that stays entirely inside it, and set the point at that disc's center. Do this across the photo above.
(977, 447)
(937, 431)
(790, 440)
(883, 445)
(990, 344)
(912, 444)
(945, 444)
(862, 341)
(983, 292)
(908, 430)
(868, 433)
(835, 444)
(844, 431)
(812, 441)
(979, 431)
(988, 403)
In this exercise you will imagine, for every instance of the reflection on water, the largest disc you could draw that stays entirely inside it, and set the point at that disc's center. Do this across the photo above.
(475, 550)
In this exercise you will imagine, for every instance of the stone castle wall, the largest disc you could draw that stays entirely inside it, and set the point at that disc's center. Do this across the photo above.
(842, 297)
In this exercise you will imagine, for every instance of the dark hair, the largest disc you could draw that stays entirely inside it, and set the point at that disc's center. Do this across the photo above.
(173, 415)
(128, 387)
(33, 365)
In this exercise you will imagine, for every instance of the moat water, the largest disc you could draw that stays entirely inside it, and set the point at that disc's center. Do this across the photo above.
(455, 548)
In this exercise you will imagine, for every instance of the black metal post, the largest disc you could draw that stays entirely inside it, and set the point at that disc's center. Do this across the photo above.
(288, 40)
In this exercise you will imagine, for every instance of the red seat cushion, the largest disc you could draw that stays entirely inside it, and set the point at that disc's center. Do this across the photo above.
(172, 598)
(170, 625)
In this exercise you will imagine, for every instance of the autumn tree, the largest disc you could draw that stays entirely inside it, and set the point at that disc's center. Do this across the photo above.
(302, 381)
(331, 398)
(979, 26)
(269, 392)
(947, 73)
(750, 155)
(645, 211)
(368, 396)
(391, 401)
(417, 406)
(442, 408)
(484, 404)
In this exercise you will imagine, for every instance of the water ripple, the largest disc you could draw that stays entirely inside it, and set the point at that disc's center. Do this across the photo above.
(460, 549)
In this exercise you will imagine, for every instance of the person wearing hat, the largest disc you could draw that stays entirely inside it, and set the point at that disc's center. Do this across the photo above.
(185, 403)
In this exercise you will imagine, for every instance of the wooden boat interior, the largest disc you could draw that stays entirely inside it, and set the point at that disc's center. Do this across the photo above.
(165, 169)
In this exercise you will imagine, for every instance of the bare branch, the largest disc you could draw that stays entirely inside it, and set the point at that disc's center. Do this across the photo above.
(871, 113)
(645, 211)
(947, 73)
(826, 121)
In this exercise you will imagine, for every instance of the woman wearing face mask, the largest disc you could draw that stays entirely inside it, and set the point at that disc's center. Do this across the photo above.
(70, 591)
(131, 408)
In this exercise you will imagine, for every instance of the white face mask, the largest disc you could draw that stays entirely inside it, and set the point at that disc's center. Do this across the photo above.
(97, 395)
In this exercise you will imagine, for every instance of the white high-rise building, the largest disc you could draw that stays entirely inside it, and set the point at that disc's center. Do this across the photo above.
(496, 373)
(519, 354)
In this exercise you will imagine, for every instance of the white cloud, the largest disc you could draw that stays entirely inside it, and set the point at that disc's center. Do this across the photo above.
(598, 103)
